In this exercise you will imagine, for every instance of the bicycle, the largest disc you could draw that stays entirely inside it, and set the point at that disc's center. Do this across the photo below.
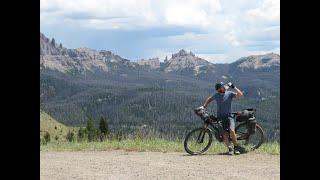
(250, 135)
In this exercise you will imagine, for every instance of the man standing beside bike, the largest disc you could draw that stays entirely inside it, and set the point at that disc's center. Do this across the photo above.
(224, 98)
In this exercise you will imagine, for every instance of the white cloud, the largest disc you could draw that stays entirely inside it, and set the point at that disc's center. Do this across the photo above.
(268, 11)
(192, 12)
(233, 27)
(107, 13)
(139, 13)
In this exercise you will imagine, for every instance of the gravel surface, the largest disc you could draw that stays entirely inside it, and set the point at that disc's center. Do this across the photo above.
(156, 165)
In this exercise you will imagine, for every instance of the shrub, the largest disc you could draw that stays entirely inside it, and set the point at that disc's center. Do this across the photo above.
(92, 132)
(46, 138)
(70, 136)
(119, 135)
(103, 126)
(82, 134)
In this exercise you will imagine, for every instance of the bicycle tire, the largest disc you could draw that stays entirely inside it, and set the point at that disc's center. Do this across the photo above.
(259, 130)
(206, 130)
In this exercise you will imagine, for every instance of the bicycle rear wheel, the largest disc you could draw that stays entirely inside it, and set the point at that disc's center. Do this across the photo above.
(198, 141)
(250, 141)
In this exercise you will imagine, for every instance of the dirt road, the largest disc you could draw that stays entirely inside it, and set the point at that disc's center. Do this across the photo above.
(156, 165)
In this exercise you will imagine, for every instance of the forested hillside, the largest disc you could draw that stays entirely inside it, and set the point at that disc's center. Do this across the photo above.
(158, 97)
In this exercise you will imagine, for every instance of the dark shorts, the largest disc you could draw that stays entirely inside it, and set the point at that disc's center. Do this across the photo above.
(227, 124)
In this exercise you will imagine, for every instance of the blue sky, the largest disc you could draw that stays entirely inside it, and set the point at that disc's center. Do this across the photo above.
(220, 31)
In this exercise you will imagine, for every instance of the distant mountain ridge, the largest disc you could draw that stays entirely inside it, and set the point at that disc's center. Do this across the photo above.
(255, 62)
(152, 63)
(57, 57)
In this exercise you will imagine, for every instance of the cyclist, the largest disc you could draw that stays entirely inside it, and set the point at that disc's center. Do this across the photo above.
(224, 98)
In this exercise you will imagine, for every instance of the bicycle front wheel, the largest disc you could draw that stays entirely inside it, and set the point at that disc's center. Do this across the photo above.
(198, 141)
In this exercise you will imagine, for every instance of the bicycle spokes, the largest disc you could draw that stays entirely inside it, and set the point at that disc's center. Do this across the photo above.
(198, 141)
(247, 139)
(201, 137)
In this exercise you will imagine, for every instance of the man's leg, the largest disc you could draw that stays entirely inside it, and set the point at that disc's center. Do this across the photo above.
(227, 143)
(233, 135)
(232, 131)
(226, 139)
(225, 127)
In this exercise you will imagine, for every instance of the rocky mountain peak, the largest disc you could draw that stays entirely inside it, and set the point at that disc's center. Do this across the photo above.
(182, 53)
(258, 61)
(106, 53)
(56, 57)
(48, 46)
(166, 59)
(153, 63)
(187, 63)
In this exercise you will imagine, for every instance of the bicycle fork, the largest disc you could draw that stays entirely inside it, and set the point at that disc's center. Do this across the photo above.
(202, 133)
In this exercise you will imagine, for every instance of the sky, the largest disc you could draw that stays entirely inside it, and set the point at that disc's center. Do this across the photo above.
(220, 31)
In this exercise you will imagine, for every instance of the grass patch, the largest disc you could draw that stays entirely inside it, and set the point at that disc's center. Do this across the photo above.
(57, 130)
(156, 144)
(270, 148)
(128, 145)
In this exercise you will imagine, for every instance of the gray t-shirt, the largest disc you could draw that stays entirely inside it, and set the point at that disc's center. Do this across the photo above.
(224, 103)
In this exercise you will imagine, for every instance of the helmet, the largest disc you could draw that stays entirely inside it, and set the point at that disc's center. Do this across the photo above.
(219, 85)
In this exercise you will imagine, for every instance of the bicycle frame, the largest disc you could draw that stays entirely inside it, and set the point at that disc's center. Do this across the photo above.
(214, 129)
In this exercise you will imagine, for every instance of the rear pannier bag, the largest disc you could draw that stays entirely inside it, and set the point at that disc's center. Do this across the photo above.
(252, 126)
(245, 115)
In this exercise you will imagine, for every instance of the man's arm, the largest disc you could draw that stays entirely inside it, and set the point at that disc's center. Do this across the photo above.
(238, 92)
(208, 100)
